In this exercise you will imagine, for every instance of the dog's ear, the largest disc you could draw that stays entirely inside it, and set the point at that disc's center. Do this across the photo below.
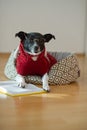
(21, 35)
(48, 37)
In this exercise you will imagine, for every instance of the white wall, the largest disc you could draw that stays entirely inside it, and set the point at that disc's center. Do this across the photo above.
(86, 31)
(63, 18)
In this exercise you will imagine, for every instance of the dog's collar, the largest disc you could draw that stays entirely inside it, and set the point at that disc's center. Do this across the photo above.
(34, 54)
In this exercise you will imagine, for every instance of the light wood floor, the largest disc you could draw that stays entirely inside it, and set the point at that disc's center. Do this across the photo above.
(64, 108)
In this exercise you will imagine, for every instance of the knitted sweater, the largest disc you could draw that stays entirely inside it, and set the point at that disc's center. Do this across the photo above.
(25, 64)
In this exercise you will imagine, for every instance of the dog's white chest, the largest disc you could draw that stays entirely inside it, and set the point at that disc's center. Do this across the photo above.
(34, 58)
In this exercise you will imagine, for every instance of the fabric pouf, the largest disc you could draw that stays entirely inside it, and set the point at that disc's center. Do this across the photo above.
(65, 71)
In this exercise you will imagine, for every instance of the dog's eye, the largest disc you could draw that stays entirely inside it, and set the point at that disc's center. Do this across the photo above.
(36, 40)
(31, 40)
(41, 40)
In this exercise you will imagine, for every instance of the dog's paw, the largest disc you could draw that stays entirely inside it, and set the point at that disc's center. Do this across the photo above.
(45, 82)
(22, 85)
(46, 88)
(21, 82)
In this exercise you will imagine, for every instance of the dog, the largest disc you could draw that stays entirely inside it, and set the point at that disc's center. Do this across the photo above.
(31, 57)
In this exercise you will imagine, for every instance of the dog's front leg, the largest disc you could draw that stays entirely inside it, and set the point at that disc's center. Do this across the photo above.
(20, 80)
(45, 82)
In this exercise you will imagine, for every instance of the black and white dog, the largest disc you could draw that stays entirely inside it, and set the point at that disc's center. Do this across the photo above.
(31, 58)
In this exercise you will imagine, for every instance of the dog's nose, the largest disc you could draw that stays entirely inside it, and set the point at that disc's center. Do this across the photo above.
(36, 48)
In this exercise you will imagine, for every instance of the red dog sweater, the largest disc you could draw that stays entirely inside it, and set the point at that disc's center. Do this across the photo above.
(25, 64)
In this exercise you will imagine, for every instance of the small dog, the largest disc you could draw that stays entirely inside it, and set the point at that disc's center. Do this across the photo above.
(31, 58)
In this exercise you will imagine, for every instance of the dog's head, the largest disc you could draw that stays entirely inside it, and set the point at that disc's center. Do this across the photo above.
(34, 43)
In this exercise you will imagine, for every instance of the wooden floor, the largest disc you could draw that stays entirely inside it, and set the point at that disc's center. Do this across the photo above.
(64, 108)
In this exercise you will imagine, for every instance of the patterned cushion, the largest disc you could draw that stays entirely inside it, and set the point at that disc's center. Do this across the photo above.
(65, 71)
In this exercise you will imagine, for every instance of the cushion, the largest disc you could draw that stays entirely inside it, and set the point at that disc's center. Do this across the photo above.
(65, 71)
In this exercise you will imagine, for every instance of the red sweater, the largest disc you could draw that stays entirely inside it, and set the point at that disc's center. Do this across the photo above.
(25, 65)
